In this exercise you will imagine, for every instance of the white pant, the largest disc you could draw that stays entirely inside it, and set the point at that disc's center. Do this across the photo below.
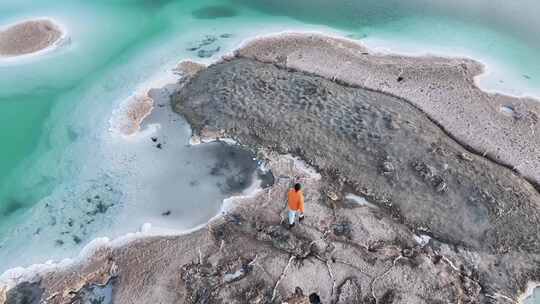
(292, 215)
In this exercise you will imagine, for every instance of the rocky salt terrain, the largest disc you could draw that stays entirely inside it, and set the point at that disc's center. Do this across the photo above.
(397, 211)
(502, 128)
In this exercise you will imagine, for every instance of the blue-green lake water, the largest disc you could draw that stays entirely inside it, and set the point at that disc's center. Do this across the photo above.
(56, 108)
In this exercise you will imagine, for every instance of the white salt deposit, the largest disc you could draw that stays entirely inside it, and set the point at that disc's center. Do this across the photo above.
(422, 239)
(359, 200)
(507, 110)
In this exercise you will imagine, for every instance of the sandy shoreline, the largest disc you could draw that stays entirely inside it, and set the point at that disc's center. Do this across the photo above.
(300, 53)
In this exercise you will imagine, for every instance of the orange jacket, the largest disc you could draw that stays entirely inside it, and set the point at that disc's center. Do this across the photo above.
(296, 200)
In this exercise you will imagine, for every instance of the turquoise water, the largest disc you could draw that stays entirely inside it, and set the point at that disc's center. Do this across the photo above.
(535, 298)
(55, 109)
(59, 152)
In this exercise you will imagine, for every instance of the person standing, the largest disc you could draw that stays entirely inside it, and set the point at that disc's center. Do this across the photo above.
(295, 199)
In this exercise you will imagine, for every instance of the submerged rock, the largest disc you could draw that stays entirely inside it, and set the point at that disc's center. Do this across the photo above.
(10, 207)
(95, 294)
(25, 293)
(214, 12)
(207, 53)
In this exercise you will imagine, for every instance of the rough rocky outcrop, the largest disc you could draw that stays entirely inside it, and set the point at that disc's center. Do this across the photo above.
(378, 145)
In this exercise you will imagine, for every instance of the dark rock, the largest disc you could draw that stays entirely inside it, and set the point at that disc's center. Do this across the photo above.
(207, 53)
(441, 187)
(425, 171)
(77, 239)
(166, 213)
(220, 168)
(284, 240)
(159, 146)
(154, 139)
(388, 297)
(349, 292)
(234, 218)
(101, 207)
(207, 40)
(400, 79)
(430, 175)
(257, 292)
(314, 299)
(25, 293)
(201, 281)
(342, 229)
(96, 294)
(407, 252)
(11, 207)
(267, 178)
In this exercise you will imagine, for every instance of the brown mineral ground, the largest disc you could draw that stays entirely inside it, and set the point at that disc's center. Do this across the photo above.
(432, 219)
(129, 117)
(28, 37)
(443, 88)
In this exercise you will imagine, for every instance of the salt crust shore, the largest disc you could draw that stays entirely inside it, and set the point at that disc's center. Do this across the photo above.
(444, 88)
(30, 37)
(378, 72)
(469, 200)
(528, 291)
(33, 273)
(126, 121)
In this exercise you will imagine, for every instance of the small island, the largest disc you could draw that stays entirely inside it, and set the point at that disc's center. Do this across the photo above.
(28, 37)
